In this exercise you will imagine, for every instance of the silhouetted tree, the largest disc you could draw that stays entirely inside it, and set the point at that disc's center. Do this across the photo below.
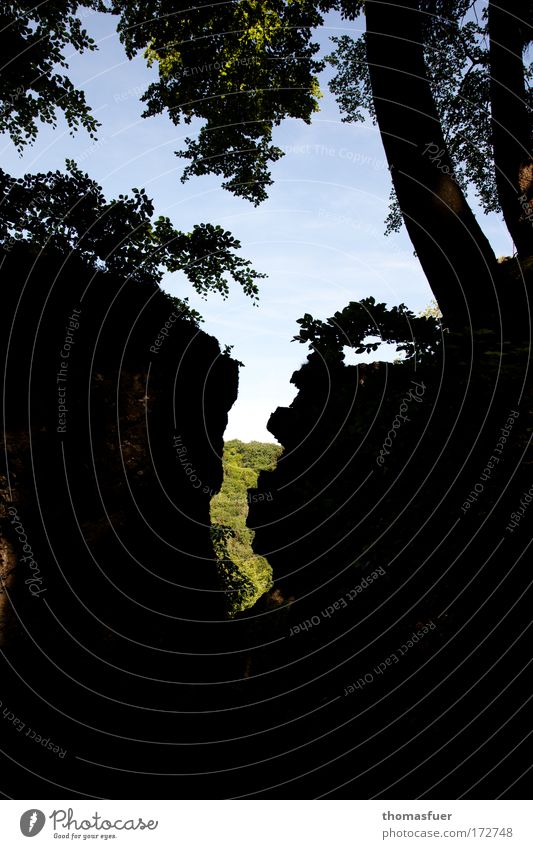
(69, 210)
(33, 41)
(422, 70)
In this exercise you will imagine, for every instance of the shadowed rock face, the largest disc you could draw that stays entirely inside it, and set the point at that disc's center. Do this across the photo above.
(373, 536)
(116, 645)
(112, 453)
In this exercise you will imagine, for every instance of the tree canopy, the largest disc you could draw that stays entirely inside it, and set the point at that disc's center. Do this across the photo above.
(33, 87)
(68, 210)
(447, 81)
(456, 55)
(451, 112)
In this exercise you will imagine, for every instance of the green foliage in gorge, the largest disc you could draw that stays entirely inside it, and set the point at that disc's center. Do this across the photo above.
(245, 575)
(431, 311)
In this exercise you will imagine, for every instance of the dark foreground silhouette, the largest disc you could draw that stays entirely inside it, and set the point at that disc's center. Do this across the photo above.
(391, 656)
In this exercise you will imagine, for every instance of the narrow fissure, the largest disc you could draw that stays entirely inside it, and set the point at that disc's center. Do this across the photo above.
(245, 575)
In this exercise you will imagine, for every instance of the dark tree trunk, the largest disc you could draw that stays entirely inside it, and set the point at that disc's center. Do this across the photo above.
(454, 253)
(511, 131)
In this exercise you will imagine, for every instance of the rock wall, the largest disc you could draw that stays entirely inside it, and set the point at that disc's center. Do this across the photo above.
(396, 568)
(115, 409)
(396, 524)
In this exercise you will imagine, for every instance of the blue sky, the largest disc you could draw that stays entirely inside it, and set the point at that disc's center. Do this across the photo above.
(319, 236)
